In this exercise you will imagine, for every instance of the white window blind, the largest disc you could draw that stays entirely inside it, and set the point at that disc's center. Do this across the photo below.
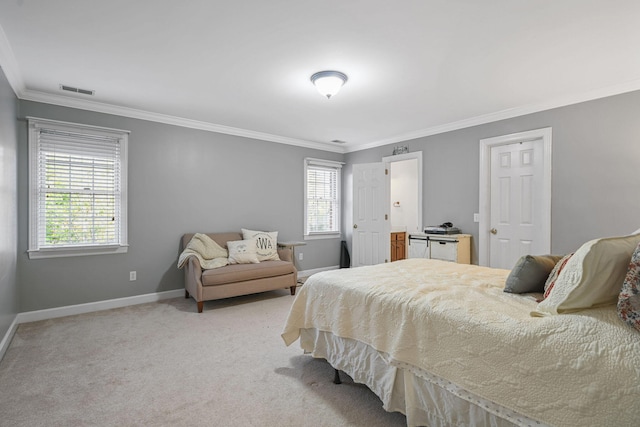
(78, 188)
(322, 188)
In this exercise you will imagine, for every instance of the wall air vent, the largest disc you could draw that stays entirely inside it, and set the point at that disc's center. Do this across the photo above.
(339, 141)
(77, 90)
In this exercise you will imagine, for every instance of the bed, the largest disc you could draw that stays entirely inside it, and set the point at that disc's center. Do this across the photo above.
(445, 345)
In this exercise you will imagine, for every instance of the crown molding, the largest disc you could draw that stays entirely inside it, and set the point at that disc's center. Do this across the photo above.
(618, 89)
(9, 65)
(99, 107)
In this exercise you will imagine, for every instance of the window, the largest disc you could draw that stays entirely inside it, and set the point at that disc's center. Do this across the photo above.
(77, 187)
(322, 198)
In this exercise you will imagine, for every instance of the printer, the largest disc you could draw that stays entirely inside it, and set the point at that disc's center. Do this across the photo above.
(446, 228)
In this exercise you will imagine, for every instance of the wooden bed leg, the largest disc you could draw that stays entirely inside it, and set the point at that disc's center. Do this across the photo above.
(336, 377)
(186, 294)
(200, 306)
(293, 290)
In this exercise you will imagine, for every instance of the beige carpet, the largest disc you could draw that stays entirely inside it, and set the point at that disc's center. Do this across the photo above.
(163, 364)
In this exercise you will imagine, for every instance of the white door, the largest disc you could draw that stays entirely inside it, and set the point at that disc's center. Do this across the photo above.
(516, 201)
(371, 238)
(515, 197)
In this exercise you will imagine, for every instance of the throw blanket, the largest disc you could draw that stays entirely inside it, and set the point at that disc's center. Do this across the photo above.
(209, 253)
(455, 321)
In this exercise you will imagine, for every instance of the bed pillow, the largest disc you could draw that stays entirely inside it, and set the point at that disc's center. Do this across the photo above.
(553, 276)
(266, 243)
(629, 298)
(592, 277)
(242, 252)
(530, 273)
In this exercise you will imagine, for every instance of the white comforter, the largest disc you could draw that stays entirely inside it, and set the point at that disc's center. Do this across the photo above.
(455, 321)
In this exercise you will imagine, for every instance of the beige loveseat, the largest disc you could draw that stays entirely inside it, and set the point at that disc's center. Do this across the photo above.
(236, 279)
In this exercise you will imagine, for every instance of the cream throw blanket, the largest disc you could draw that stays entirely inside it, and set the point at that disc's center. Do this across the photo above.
(209, 253)
(455, 321)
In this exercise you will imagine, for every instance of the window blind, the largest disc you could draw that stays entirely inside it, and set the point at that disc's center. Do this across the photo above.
(77, 185)
(322, 197)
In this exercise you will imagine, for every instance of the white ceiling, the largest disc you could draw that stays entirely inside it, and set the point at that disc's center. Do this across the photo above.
(242, 67)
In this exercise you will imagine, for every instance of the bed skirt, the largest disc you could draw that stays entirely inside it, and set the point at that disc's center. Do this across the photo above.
(425, 399)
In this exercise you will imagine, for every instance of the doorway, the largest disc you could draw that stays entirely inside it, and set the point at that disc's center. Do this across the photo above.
(515, 197)
(373, 205)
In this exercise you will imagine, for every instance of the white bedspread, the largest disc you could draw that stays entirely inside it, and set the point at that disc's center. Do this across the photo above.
(454, 321)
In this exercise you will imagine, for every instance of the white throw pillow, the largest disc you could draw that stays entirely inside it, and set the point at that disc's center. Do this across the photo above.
(242, 252)
(266, 243)
(592, 277)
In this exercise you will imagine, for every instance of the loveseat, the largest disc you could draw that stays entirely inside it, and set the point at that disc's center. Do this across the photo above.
(236, 279)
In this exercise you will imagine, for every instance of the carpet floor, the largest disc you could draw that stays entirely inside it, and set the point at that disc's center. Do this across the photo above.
(163, 364)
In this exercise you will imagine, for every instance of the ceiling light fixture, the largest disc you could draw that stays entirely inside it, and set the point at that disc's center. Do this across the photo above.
(328, 83)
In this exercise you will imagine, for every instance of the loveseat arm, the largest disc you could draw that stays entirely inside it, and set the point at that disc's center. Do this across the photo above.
(193, 279)
(285, 254)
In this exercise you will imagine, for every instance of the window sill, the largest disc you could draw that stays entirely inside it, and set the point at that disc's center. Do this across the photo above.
(322, 236)
(77, 251)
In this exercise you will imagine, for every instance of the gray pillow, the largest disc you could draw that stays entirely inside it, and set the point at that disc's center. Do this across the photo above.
(530, 273)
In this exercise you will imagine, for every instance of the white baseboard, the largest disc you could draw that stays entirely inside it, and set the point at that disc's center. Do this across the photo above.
(70, 310)
(307, 273)
(6, 340)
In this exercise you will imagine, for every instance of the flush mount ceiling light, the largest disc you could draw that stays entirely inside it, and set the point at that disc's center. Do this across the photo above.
(328, 83)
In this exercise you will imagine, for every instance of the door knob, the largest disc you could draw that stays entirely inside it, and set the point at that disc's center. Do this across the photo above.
(355, 225)
(493, 231)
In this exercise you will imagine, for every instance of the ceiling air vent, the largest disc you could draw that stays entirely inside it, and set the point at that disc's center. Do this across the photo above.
(77, 90)
(339, 141)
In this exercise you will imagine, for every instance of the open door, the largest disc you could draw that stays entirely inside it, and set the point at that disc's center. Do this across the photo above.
(371, 239)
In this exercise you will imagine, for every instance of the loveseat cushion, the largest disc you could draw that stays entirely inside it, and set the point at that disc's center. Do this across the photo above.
(242, 272)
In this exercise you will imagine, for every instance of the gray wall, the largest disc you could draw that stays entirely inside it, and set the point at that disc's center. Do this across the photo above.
(180, 180)
(595, 186)
(184, 180)
(8, 209)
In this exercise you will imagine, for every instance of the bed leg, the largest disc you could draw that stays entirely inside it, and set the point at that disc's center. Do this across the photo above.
(336, 377)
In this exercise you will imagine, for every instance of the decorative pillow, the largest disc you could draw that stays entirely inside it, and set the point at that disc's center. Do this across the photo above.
(530, 273)
(553, 276)
(242, 252)
(629, 298)
(266, 243)
(592, 277)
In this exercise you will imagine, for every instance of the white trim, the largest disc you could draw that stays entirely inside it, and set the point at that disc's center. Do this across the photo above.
(35, 250)
(6, 340)
(12, 71)
(408, 156)
(329, 164)
(99, 107)
(307, 273)
(510, 113)
(485, 186)
(71, 310)
(320, 236)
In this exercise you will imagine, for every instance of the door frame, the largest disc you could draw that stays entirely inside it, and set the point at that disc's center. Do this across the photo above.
(485, 186)
(407, 156)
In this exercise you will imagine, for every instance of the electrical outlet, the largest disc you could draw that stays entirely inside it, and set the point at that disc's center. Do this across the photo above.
(300, 256)
(476, 217)
(132, 276)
